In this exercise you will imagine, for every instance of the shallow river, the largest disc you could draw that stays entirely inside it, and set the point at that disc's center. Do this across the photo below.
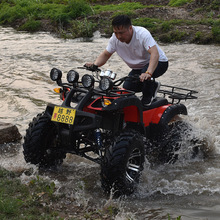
(189, 188)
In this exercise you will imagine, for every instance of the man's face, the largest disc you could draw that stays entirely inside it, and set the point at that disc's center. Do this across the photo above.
(124, 34)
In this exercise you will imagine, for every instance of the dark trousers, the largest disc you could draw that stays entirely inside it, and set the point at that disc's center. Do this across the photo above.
(147, 87)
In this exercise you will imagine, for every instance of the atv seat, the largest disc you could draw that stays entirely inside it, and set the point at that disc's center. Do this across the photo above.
(157, 102)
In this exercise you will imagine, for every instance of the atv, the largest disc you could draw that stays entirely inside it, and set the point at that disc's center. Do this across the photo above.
(107, 124)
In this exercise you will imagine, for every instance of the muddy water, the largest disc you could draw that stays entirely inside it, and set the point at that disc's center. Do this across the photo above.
(189, 188)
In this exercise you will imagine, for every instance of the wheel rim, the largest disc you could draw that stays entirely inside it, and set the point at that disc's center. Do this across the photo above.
(134, 165)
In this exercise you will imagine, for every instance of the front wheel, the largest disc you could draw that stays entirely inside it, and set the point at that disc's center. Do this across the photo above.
(123, 163)
(41, 143)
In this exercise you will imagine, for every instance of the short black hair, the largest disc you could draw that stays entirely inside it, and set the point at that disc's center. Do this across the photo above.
(121, 20)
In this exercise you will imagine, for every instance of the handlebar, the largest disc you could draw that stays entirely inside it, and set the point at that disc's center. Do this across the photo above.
(110, 74)
(93, 68)
(114, 89)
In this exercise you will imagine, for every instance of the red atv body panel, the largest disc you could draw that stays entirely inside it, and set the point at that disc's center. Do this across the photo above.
(149, 116)
(132, 113)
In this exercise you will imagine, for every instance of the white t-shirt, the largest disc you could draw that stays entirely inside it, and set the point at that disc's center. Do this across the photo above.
(135, 54)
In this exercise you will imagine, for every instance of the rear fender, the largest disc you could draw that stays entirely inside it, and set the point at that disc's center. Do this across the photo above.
(153, 116)
(162, 117)
(170, 112)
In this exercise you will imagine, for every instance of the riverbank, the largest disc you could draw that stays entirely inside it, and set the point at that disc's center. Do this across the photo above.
(37, 199)
(191, 21)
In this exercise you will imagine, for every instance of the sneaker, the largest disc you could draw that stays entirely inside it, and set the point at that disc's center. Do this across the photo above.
(156, 87)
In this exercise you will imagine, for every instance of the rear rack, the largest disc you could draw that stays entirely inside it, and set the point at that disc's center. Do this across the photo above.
(176, 94)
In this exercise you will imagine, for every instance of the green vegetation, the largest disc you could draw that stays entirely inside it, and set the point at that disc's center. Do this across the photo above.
(79, 28)
(19, 201)
(37, 200)
(125, 7)
(216, 30)
(178, 218)
(176, 3)
(80, 18)
(168, 30)
(30, 14)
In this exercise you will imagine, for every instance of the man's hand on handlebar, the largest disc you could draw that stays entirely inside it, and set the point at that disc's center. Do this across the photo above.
(91, 67)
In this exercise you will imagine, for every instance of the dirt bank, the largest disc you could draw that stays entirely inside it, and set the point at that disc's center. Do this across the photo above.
(194, 22)
(189, 23)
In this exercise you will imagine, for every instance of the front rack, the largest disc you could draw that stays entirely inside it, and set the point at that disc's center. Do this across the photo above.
(176, 94)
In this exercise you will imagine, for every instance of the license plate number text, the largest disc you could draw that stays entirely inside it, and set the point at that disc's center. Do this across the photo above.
(63, 115)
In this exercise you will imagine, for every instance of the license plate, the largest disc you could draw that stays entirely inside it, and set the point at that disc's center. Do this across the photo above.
(63, 115)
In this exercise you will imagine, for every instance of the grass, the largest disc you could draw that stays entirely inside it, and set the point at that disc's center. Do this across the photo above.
(19, 201)
(26, 11)
(37, 200)
(125, 7)
(216, 30)
(79, 28)
(168, 30)
(178, 218)
(177, 3)
(80, 18)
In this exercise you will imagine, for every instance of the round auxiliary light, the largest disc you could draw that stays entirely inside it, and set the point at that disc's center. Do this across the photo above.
(72, 76)
(105, 84)
(55, 74)
(88, 81)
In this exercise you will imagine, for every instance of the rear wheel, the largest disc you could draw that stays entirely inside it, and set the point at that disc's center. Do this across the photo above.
(171, 142)
(177, 137)
(41, 143)
(123, 164)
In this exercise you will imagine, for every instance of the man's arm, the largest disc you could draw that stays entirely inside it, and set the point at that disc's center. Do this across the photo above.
(102, 58)
(154, 58)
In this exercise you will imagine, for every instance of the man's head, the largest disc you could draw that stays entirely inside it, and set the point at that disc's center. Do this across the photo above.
(122, 28)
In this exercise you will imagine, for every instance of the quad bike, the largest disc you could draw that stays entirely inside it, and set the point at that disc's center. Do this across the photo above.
(102, 122)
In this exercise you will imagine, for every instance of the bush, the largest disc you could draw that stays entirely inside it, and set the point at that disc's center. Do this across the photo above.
(216, 31)
(173, 36)
(82, 29)
(31, 26)
(77, 8)
(59, 11)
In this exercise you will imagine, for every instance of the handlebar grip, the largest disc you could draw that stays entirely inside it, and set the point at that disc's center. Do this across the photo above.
(92, 68)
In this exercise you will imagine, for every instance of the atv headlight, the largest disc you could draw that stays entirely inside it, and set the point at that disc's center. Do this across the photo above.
(88, 81)
(105, 84)
(72, 76)
(55, 74)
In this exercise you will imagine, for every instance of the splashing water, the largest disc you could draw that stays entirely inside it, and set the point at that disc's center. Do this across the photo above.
(189, 188)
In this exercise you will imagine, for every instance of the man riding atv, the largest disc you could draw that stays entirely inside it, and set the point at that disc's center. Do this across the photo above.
(140, 52)
(107, 124)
